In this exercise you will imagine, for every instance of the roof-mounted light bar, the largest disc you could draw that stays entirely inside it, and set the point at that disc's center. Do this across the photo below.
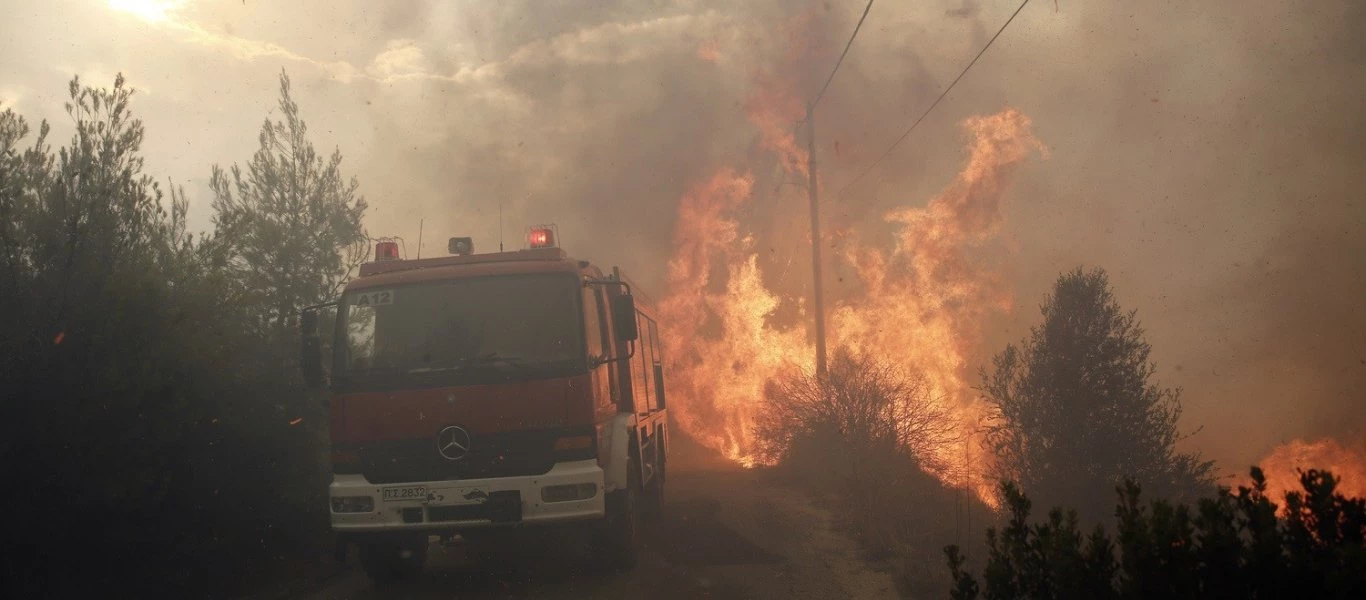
(386, 250)
(543, 236)
(460, 246)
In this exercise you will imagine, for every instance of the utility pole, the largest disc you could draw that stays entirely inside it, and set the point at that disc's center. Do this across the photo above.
(815, 239)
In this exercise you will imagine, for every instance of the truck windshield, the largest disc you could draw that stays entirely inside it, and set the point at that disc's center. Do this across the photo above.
(460, 331)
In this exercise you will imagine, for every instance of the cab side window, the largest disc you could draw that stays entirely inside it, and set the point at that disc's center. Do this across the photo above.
(658, 367)
(640, 390)
(645, 366)
(593, 331)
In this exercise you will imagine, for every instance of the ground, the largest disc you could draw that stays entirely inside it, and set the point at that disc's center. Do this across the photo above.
(728, 532)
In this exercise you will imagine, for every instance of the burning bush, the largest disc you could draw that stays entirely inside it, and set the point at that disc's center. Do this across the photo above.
(867, 437)
(862, 412)
(1230, 546)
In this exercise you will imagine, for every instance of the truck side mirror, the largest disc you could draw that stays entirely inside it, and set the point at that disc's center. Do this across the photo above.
(310, 348)
(624, 318)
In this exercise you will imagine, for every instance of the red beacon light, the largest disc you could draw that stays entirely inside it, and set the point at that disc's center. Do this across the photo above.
(542, 236)
(386, 250)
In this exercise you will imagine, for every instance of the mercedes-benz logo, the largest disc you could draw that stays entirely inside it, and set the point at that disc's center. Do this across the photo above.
(453, 442)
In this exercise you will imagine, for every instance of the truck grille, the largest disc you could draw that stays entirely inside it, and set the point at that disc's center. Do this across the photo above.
(504, 454)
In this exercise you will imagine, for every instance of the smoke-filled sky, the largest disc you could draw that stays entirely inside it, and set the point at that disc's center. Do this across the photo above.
(1210, 155)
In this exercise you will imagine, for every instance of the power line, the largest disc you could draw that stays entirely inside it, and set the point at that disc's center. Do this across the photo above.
(841, 60)
(946, 91)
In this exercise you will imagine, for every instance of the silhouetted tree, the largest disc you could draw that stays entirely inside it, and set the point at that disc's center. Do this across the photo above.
(1047, 560)
(1234, 547)
(100, 367)
(1074, 410)
(294, 221)
(140, 423)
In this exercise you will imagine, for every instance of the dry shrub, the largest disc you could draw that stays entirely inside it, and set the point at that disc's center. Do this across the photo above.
(863, 415)
(865, 436)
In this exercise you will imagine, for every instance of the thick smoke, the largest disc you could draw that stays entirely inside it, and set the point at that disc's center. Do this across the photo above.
(1209, 155)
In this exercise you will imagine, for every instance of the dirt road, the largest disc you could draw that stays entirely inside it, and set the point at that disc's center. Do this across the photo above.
(728, 533)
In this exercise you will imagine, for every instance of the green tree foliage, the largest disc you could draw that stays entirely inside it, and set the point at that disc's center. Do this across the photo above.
(87, 246)
(146, 441)
(1231, 546)
(1074, 408)
(291, 217)
(1047, 560)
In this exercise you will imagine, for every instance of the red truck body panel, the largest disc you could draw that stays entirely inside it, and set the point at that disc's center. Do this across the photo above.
(421, 413)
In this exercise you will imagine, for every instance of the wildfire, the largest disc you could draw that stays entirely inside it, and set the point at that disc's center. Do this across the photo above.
(720, 378)
(1283, 464)
(919, 302)
(925, 298)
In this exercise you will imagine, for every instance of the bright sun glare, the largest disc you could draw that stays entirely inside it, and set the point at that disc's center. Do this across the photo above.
(152, 11)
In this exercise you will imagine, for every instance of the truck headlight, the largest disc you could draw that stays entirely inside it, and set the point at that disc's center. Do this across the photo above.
(575, 447)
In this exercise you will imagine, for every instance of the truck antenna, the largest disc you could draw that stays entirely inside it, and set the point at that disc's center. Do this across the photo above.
(419, 237)
(500, 224)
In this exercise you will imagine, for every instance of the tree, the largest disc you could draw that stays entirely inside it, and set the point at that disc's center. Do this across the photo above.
(1073, 411)
(294, 221)
(1231, 546)
(291, 226)
(99, 339)
(139, 411)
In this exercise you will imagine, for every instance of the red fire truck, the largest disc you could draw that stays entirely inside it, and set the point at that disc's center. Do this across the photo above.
(473, 394)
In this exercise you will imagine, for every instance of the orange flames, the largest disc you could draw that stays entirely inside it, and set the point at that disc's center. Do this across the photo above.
(719, 378)
(1283, 464)
(926, 297)
(919, 302)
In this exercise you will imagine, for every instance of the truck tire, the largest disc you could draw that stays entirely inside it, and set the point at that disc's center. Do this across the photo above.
(619, 545)
(392, 560)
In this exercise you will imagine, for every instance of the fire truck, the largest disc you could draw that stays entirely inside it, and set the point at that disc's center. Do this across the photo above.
(472, 395)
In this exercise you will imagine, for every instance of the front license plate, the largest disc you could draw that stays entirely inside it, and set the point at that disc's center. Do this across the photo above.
(407, 492)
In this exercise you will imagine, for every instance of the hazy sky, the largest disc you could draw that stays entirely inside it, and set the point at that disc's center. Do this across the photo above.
(1208, 154)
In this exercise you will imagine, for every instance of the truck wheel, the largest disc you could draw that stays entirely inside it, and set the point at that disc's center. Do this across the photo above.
(389, 561)
(620, 544)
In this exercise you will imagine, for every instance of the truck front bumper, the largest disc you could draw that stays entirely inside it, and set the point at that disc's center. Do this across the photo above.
(442, 506)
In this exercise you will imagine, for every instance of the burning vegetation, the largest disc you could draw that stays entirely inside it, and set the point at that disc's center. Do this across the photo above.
(172, 343)
(918, 302)
(1285, 463)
